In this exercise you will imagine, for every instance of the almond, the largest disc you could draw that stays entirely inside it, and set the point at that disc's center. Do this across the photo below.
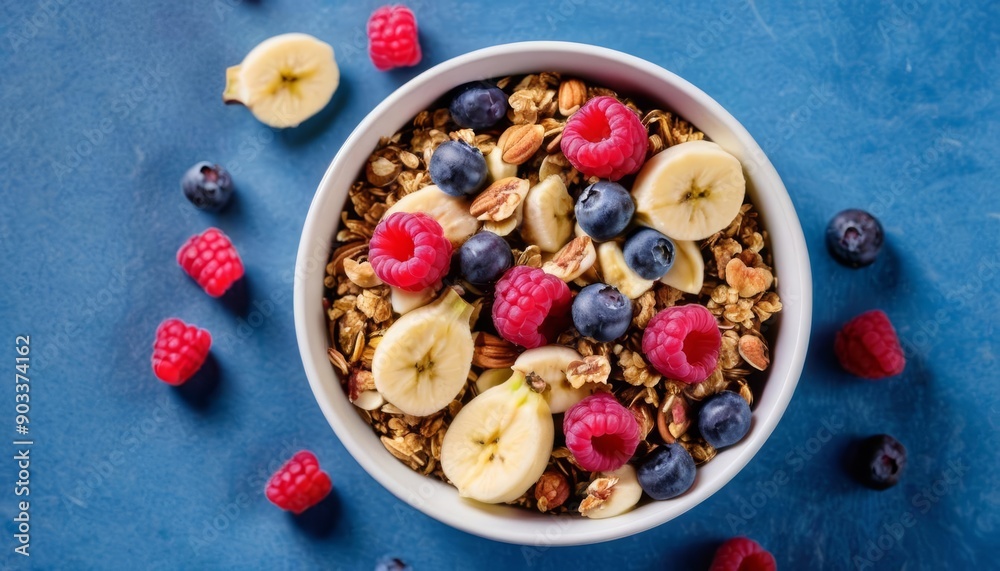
(500, 200)
(754, 351)
(520, 142)
(572, 94)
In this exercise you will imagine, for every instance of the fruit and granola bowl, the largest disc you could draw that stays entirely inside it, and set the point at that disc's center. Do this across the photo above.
(560, 305)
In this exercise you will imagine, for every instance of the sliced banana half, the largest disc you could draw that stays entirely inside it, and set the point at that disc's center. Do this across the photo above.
(499, 444)
(451, 212)
(616, 272)
(689, 191)
(284, 80)
(688, 272)
(424, 358)
(547, 215)
(496, 168)
(404, 301)
(492, 378)
(550, 364)
(612, 493)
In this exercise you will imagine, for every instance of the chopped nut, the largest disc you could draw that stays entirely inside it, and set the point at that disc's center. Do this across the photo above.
(492, 352)
(572, 95)
(575, 258)
(520, 142)
(551, 491)
(598, 492)
(754, 351)
(500, 200)
(673, 421)
(361, 274)
(593, 369)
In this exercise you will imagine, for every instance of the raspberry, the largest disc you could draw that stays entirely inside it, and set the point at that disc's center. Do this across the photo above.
(867, 346)
(604, 138)
(179, 350)
(299, 484)
(409, 251)
(683, 343)
(392, 38)
(211, 260)
(601, 433)
(531, 307)
(742, 554)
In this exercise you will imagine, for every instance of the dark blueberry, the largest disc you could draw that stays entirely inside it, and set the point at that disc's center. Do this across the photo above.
(879, 461)
(649, 253)
(207, 186)
(458, 168)
(483, 258)
(601, 311)
(391, 564)
(604, 210)
(479, 106)
(724, 419)
(666, 472)
(854, 238)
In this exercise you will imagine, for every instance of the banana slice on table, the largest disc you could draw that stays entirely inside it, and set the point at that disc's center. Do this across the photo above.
(284, 80)
(688, 272)
(612, 493)
(689, 191)
(451, 212)
(499, 444)
(423, 360)
(550, 364)
(616, 272)
(547, 215)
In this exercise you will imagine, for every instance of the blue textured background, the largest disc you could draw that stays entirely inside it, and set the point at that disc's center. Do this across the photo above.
(891, 108)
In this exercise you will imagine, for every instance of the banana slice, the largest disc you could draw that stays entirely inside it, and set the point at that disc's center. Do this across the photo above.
(284, 80)
(550, 364)
(404, 301)
(452, 213)
(689, 191)
(499, 444)
(548, 220)
(492, 378)
(496, 168)
(424, 358)
(688, 272)
(612, 493)
(616, 272)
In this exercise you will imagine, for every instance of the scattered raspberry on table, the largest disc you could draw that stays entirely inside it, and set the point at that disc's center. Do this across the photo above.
(743, 554)
(299, 484)
(531, 307)
(179, 350)
(604, 138)
(392, 38)
(211, 260)
(867, 346)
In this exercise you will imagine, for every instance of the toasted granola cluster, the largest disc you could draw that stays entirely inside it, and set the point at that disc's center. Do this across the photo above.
(738, 288)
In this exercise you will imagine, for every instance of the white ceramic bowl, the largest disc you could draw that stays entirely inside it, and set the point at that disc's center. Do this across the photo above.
(627, 74)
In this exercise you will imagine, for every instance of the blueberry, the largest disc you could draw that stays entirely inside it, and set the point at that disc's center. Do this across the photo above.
(207, 186)
(601, 311)
(391, 564)
(854, 238)
(483, 258)
(667, 472)
(604, 210)
(458, 168)
(724, 419)
(879, 461)
(649, 253)
(479, 105)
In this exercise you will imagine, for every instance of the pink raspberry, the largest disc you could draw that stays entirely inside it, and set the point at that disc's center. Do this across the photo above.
(867, 346)
(531, 307)
(601, 433)
(179, 351)
(742, 554)
(211, 260)
(299, 484)
(392, 38)
(409, 251)
(683, 343)
(604, 138)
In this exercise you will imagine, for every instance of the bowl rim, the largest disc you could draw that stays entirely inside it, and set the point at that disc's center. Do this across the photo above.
(314, 250)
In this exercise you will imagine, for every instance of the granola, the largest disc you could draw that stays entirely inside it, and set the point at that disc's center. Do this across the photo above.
(738, 288)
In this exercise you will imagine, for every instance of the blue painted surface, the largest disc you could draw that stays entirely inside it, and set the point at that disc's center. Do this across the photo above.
(885, 106)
